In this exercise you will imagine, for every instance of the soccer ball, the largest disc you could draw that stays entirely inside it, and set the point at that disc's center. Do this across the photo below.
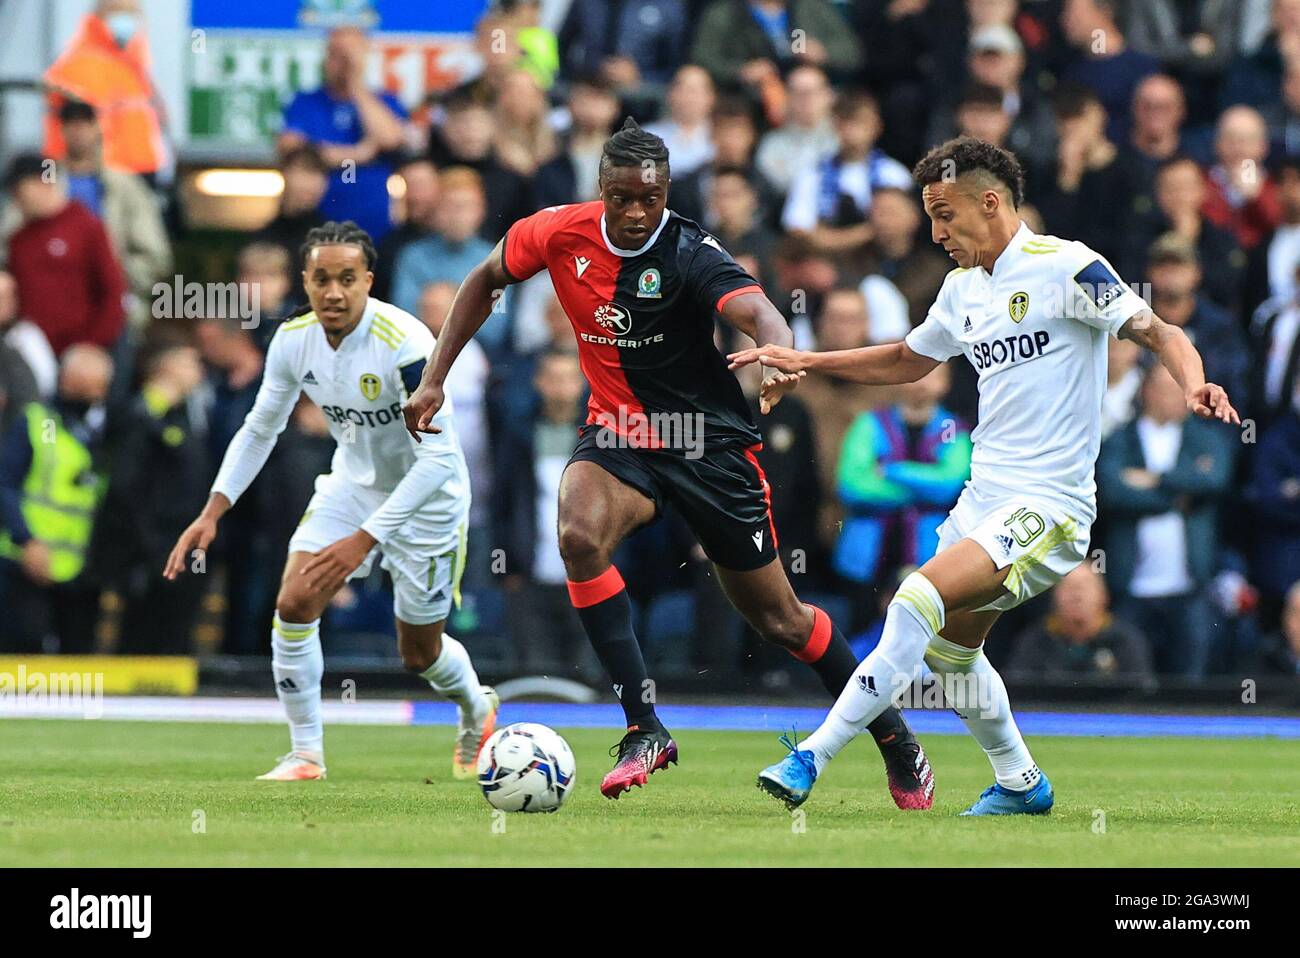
(526, 767)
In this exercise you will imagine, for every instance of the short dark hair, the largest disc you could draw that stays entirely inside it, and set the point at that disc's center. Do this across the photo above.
(981, 94)
(1071, 99)
(848, 103)
(633, 146)
(305, 154)
(73, 111)
(24, 166)
(346, 233)
(965, 154)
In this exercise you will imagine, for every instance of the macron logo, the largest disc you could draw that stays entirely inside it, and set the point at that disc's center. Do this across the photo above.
(758, 540)
(134, 912)
(582, 263)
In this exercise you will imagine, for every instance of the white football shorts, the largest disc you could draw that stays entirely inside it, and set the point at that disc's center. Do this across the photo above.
(1039, 538)
(425, 558)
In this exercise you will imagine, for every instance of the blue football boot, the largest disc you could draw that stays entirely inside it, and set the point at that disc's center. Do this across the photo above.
(791, 779)
(996, 800)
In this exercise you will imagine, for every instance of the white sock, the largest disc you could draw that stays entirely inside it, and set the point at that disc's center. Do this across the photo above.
(982, 703)
(914, 618)
(297, 664)
(452, 675)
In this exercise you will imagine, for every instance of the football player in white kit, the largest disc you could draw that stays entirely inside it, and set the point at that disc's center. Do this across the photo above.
(1032, 314)
(358, 359)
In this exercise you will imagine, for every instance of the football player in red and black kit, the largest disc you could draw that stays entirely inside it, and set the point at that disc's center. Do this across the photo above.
(641, 286)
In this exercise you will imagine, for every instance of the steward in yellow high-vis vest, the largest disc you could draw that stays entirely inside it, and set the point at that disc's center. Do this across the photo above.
(57, 498)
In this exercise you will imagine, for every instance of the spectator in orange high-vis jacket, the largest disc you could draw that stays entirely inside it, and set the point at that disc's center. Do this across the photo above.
(107, 66)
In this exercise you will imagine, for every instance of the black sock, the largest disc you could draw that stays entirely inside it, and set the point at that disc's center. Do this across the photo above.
(606, 614)
(836, 666)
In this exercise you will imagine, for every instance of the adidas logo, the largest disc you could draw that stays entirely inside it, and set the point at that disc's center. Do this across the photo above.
(310, 378)
(440, 595)
(967, 327)
(287, 685)
(1005, 542)
(868, 684)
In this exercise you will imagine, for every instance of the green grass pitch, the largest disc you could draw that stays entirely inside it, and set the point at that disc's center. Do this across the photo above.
(138, 794)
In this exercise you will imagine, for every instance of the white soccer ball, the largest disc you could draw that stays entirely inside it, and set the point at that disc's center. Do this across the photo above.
(526, 767)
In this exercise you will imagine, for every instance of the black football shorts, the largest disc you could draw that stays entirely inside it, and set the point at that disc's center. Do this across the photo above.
(723, 495)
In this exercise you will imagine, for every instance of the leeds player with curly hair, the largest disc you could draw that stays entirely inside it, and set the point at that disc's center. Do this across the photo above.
(1031, 313)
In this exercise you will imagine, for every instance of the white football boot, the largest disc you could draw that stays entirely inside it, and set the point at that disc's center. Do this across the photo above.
(295, 768)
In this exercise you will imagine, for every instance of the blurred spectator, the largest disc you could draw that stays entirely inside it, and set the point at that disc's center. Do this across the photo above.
(127, 208)
(630, 43)
(754, 41)
(17, 385)
(1103, 61)
(1080, 636)
(1241, 196)
(545, 629)
(466, 139)
(306, 180)
(1160, 479)
(524, 139)
(843, 322)
(69, 282)
(997, 60)
(1193, 39)
(900, 471)
(807, 136)
(1123, 381)
(1179, 204)
(1084, 197)
(451, 252)
(734, 134)
(831, 202)
(1159, 111)
(419, 208)
(980, 113)
(466, 388)
(26, 339)
(1275, 335)
(572, 175)
(1175, 275)
(1256, 75)
(789, 447)
(732, 215)
(1282, 650)
(354, 128)
(1274, 495)
(1271, 266)
(159, 475)
(1283, 116)
(106, 64)
(51, 485)
(267, 268)
(897, 253)
(539, 52)
(685, 129)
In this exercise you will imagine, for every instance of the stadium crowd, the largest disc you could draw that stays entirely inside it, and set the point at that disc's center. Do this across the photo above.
(1165, 134)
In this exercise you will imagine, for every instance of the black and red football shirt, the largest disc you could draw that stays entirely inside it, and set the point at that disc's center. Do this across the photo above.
(643, 318)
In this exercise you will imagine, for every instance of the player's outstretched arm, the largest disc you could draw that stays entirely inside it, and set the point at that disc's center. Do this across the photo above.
(884, 365)
(198, 535)
(1180, 357)
(474, 301)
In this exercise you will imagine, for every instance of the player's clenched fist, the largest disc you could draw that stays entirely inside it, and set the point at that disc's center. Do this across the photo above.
(421, 408)
(784, 358)
(198, 535)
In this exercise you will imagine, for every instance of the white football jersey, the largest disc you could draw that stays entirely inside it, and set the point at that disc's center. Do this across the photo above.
(360, 387)
(1035, 331)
